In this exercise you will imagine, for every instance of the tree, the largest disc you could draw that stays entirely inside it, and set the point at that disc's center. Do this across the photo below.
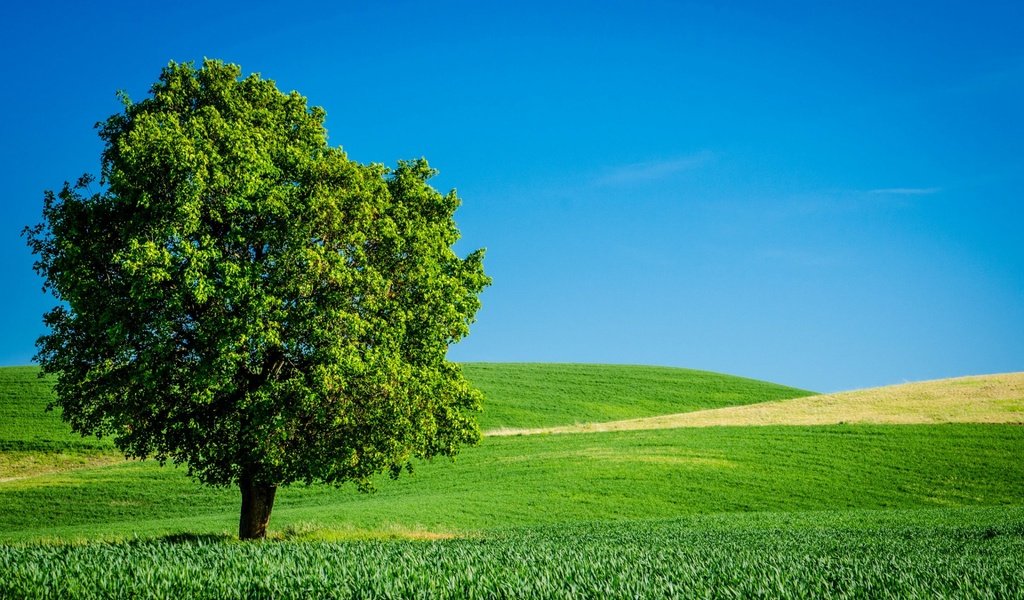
(241, 298)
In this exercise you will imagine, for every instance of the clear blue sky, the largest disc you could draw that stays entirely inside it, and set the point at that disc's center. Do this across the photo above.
(828, 197)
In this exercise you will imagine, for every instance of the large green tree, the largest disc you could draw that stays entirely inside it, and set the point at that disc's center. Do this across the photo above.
(241, 298)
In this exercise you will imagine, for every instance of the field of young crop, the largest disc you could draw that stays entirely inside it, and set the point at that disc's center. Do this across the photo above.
(916, 554)
(867, 510)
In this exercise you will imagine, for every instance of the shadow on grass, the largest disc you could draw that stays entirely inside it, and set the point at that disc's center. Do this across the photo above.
(296, 532)
(186, 538)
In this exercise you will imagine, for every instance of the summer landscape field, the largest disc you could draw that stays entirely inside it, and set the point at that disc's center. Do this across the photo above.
(395, 300)
(591, 481)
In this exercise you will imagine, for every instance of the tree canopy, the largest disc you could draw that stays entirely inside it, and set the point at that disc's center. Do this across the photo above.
(242, 298)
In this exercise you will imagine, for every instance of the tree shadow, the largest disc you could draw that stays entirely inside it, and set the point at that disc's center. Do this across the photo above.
(186, 538)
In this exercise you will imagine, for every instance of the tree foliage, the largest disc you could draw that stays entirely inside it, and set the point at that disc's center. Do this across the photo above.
(242, 298)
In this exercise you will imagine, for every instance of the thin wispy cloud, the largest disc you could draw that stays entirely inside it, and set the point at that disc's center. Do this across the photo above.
(812, 259)
(906, 191)
(653, 170)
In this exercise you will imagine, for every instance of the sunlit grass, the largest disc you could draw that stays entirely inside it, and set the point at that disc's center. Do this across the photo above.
(544, 395)
(559, 478)
(774, 511)
(933, 554)
(978, 399)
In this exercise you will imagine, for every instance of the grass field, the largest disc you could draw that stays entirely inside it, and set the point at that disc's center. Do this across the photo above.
(898, 510)
(979, 399)
(545, 395)
(551, 479)
(25, 425)
(917, 554)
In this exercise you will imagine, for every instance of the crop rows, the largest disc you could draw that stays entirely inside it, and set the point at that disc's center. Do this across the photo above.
(635, 560)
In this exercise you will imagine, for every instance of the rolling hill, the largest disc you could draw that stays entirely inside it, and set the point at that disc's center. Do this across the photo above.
(978, 399)
(546, 394)
(58, 486)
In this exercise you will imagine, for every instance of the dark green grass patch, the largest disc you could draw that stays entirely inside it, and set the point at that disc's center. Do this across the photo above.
(903, 555)
(546, 395)
(26, 425)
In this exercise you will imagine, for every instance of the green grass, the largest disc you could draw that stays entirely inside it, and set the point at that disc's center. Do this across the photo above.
(516, 395)
(545, 395)
(772, 511)
(926, 554)
(564, 478)
(522, 480)
(25, 425)
(34, 440)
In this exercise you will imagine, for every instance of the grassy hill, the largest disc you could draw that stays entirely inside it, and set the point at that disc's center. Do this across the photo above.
(33, 441)
(550, 479)
(24, 422)
(978, 399)
(516, 395)
(57, 485)
(545, 395)
(846, 510)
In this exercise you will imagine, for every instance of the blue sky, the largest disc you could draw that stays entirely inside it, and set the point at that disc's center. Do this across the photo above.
(818, 195)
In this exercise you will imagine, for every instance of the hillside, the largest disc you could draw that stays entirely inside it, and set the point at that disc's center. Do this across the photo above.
(526, 480)
(24, 422)
(549, 394)
(59, 489)
(978, 399)
(516, 395)
(36, 442)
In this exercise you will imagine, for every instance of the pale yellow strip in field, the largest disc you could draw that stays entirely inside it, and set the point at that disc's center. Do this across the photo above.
(18, 465)
(975, 399)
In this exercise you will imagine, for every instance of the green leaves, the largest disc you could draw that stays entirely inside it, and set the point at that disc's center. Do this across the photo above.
(242, 298)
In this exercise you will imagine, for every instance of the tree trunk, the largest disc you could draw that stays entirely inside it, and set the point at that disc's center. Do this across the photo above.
(257, 502)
